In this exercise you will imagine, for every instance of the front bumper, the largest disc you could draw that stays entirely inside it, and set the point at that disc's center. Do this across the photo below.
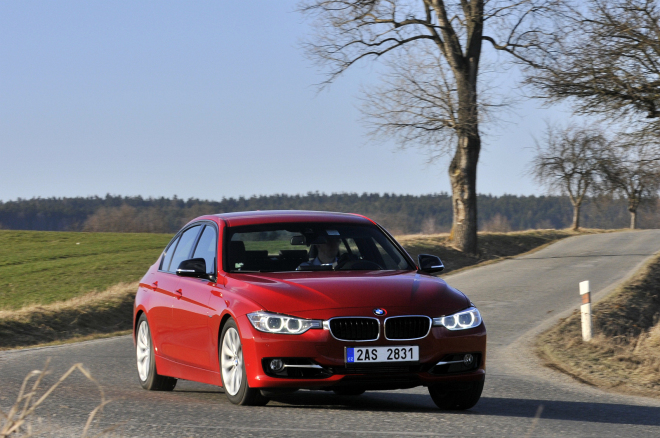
(318, 347)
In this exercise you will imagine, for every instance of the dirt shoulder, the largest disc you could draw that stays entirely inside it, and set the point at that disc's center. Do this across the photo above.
(624, 354)
(96, 314)
(492, 246)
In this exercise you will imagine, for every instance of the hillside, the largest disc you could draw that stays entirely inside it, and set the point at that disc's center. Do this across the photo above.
(400, 214)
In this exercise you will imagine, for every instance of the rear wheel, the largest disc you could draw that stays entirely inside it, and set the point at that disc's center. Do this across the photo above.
(455, 399)
(232, 369)
(146, 365)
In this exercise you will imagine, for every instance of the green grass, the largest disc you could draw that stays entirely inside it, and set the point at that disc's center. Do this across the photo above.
(38, 267)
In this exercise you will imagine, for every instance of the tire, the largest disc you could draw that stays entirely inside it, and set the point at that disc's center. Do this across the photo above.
(456, 400)
(232, 369)
(348, 391)
(146, 364)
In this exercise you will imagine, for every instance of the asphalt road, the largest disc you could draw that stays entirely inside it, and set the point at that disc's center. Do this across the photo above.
(517, 297)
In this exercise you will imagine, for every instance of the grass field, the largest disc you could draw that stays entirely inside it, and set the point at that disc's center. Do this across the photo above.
(39, 267)
(56, 286)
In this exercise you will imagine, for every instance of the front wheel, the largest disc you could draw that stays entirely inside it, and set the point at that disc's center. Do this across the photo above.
(232, 369)
(457, 400)
(146, 365)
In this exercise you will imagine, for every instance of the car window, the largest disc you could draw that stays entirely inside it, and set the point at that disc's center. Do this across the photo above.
(296, 246)
(352, 247)
(270, 243)
(206, 248)
(184, 247)
(391, 258)
(169, 252)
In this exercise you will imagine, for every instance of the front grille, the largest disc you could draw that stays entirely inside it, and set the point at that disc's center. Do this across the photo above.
(354, 329)
(407, 327)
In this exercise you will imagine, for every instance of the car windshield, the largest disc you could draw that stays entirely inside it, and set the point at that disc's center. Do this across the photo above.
(310, 247)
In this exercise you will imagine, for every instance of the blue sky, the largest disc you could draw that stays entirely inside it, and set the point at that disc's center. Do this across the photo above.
(203, 99)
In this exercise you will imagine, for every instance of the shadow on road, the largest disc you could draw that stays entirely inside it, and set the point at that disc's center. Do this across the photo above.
(591, 412)
(502, 407)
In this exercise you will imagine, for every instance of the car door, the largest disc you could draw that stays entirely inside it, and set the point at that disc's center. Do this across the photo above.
(191, 337)
(169, 286)
(163, 284)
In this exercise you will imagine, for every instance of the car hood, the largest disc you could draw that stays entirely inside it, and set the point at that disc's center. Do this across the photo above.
(299, 293)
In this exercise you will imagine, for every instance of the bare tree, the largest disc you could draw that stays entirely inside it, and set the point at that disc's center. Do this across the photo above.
(632, 168)
(431, 95)
(606, 59)
(570, 161)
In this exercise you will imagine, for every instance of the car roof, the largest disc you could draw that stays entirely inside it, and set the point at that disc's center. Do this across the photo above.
(281, 216)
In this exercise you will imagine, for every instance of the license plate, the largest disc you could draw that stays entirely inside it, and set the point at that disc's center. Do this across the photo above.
(362, 355)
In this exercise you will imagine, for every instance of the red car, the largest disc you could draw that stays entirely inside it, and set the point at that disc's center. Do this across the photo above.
(268, 301)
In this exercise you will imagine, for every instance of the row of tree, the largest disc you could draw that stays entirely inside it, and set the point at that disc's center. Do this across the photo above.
(602, 55)
(582, 160)
(401, 214)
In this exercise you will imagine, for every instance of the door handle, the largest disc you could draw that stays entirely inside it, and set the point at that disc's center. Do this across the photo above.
(178, 293)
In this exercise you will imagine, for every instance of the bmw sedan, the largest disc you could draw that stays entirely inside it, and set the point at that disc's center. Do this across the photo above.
(274, 301)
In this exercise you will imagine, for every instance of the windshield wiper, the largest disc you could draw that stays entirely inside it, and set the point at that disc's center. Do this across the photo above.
(242, 271)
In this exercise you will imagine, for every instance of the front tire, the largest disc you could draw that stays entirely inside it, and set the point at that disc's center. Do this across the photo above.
(232, 369)
(146, 364)
(456, 400)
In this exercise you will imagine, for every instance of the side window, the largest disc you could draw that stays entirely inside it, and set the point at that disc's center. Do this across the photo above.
(169, 252)
(206, 248)
(184, 247)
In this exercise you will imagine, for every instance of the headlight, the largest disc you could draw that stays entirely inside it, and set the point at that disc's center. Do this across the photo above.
(465, 319)
(287, 325)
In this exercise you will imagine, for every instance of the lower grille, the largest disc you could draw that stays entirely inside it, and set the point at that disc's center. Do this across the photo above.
(354, 329)
(407, 327)
(376, 370)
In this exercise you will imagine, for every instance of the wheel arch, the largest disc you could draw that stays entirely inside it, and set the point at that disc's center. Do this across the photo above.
(226, 317)
(138, 314)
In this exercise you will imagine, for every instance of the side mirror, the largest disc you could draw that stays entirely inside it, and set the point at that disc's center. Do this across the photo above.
(192, 268)
(298, 240)
(429, 264)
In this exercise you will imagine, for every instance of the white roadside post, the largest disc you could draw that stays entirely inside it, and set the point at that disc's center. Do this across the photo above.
(585, 309)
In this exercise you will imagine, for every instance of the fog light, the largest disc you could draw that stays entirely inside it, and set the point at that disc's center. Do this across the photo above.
(276, 365)
(467, 360)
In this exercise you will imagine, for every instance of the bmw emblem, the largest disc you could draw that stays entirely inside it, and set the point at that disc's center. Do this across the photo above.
(380, 312)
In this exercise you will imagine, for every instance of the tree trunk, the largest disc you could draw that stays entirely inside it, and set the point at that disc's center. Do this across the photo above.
(633, 219)
(463, 167)
(463, 176)
(576, 216)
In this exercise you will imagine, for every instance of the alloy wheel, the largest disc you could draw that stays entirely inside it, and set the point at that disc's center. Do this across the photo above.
(232, 361)
(143, 351)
